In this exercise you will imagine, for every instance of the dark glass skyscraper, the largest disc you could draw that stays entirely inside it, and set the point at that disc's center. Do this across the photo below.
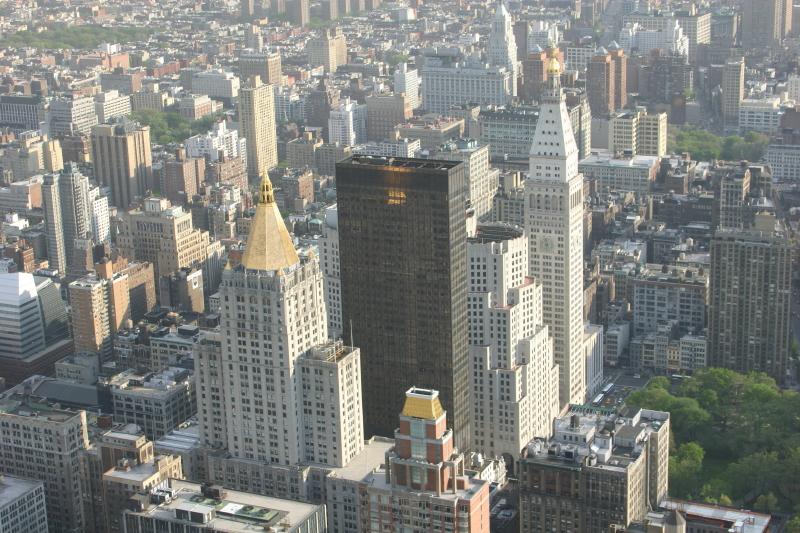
(402, 245)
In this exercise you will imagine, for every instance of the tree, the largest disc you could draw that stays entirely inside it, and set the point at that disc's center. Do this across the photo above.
(766, 503)
(793, 526)
(685, 467)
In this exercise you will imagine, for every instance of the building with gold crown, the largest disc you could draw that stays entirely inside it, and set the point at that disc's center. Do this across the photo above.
(272, 392)
(422, 485)
(554, 226)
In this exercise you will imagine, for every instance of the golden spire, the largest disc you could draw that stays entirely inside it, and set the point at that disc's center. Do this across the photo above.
(553, 65)
(266, 196)
(269, 245)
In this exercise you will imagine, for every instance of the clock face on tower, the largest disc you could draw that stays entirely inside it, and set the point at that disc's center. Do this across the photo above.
(546, 244)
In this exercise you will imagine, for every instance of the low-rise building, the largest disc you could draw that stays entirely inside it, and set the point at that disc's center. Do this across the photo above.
(158, 403)
(620, 173)
(597, 470)
(211, 509)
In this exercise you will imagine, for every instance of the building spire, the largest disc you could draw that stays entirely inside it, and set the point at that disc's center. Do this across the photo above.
(266, 196)
(269, 245)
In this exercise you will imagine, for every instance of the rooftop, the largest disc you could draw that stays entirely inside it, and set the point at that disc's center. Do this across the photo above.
(17, 404)
(234, 512)
(736, 520)
(11, 488)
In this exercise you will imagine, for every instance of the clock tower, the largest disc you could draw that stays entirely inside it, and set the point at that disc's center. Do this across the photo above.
(554, 225)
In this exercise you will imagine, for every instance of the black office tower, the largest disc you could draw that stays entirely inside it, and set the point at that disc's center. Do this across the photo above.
(402, 246)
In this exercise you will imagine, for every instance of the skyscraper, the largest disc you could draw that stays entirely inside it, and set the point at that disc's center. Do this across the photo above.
(502, 47)
(513, 375)
(75, 208)
(329, 49)
(257, 125)
(601, 83)
(407, 81)
(732, 91)
(554, 223)
(54, 223)
(402, 258)
(749, 314)
(763, 22)
(265, 65)
(281, 393)
(122, 160)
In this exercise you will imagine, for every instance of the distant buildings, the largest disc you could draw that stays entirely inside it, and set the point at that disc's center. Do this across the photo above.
(328, 50)
(122, 160)
(257, 126)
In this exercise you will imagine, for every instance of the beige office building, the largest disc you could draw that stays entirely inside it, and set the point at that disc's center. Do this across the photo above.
(122, 160)
(163, 235)
(732, 91)
(328, 50)
(265, 65)
(257, 125)
(384, 113)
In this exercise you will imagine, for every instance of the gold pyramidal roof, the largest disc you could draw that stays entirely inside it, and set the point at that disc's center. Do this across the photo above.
(422, 403)
(269, 245)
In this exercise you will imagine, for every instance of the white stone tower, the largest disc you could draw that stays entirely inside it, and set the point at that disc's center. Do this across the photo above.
(554, 224)
(513, 375)
(502, 47)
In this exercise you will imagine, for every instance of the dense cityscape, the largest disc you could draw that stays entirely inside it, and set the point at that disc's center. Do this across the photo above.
(407, 266)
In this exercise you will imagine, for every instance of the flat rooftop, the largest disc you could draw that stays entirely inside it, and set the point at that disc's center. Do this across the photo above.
(12, 488)
(371, 457)
(739, 521)
(237, 511)
(31, 406)
(400, 162)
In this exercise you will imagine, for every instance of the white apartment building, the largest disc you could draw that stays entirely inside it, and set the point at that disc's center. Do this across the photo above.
(513, 376)
(636, 174)
(482, 180)
(577, 57)
(407, 81)
(465, 83)
(554, 224)
(328, 245)
(784, 159)
(98, 209)
(760, 114)
(404, 147)
(216, 84)
(669, 37)
(111, 104)
(542, 33)
(347, 124)
(218, 139)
